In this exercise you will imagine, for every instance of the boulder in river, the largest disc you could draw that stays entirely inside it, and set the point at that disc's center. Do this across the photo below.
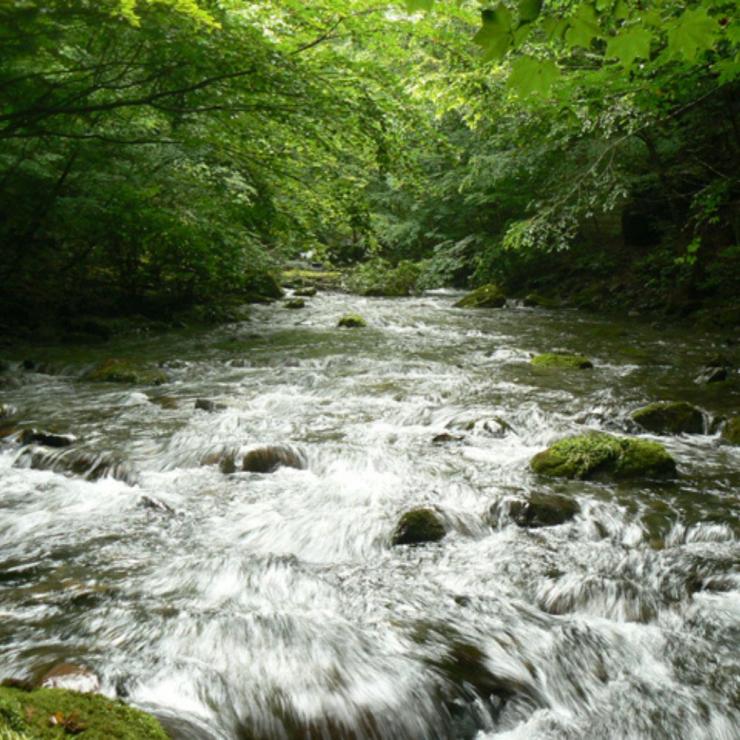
(417, 526)
(562, 360)
(538, 510)
(715, 370)
(446, 438)
(307, 292)
(115, 370)
(271, 457)
(47, 439)
(84, 463)
(599, 454)
(295, 303)
(59, 712)
(670, 417)
(206, 404)
(487, 296)
(731, 431)
(351, 321)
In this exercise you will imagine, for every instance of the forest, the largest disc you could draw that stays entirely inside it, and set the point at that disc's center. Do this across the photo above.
(162, 155)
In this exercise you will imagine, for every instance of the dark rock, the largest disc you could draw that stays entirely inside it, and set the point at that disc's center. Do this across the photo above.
(539, 510)
(446, 437)
(48, 439)
(418, 526)
(155, 504)
(712, 375)
(165, 402)
(28, 364)
(668, 417)
(270, 458)
(205, 404)
(88, 465)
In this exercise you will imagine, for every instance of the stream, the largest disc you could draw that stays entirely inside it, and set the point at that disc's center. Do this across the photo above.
(248, 605)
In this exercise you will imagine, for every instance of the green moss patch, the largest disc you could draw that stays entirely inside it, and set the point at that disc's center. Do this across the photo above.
(295, 303)
(115, 370)
(351, 321)
(588, 455)
(58, 713)
(731, 431)
(418, 526)
(562, 360)
(487, 296)
(668, 417)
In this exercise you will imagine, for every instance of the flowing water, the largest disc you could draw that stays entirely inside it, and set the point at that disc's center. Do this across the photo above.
(245, 605)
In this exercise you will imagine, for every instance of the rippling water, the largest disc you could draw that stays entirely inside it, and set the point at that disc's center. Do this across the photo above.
(274, 606)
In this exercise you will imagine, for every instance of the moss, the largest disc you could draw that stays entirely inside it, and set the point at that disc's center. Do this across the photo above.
(667, 417)
(317, 278)
(125, 371)
(731, 431)
(351, 321)
(417, 526)
(562, 360)
(58, 713)
(308, 292)
(262, 286)
(487, 296)
(540, 301)
(588, 455)
(295, 303)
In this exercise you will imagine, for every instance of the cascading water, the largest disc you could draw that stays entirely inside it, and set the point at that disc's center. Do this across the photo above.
(249, 605)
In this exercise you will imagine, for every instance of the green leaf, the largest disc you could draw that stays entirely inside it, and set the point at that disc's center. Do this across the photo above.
(554, 28)
(494, 35)
(629, 45)
(414, 6)
(584, 25)
(694, 33)
(529, 10)
(532, 76)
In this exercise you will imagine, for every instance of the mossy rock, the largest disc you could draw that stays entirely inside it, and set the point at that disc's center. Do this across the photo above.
(562, 360)
(596, 454)
(351, 321)
(326, 279)
(59, 713)
(269, 459)
(487, 296)
(262, 288)
(115, 370)
(307, 292)
(295, 303)
(731, 431)
(539, 301)
(539, 510)
(418, 526)
(669, 417)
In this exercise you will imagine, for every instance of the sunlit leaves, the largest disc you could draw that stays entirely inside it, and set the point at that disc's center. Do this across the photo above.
(629, 45)
(415, 6)
(531, 76)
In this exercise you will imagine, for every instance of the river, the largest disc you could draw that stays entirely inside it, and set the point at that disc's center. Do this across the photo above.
(246, 605)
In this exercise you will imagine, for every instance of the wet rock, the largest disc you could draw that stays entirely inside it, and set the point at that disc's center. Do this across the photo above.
(58, 712)
(351, 321)
(224, 458)
(295, 303)
(418, 526)
(89, 465)
(446, 438)
(494, 427)
(307, 292)
(598, 454)
(562, 360)
(270, 458)
(28, 365)
(47, 439)
(165, 402)
(115, 370)
(71, 677)
(712, 375)
(539, 301)
(731, 431)
(668, 417)
(155, 504)
(487, 296)
(206, 404)
(539, 510)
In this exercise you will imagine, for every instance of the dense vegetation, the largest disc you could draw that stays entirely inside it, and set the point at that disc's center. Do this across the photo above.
(161, 154)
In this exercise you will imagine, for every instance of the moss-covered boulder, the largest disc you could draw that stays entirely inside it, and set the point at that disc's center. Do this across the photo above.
(537, 300)
(669, 417)
(538, 510)
(60, 713)
(731, 431)
(315, 278)
(487, 296)
(115, 370)
(295, 303)
(562, 360)
(269, 458)
(351, 321)
(307, 292)
(597, 454)
(418, 526)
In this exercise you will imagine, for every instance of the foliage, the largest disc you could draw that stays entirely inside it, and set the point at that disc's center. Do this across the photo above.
(377, 277)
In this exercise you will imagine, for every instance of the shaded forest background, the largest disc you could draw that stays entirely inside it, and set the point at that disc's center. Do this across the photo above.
(156, 156)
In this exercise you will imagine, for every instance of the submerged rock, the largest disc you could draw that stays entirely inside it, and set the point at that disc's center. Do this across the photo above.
(446, 438)
(115, 370)
(270, 458)
(155, 504)
(669, 417)
(487, 296)
(295, 303)
(58, 712)
(539, 510)
(562, 360)
(731, 431)
(206, 404)
(594, 454)
(418, 526)
(351, 321)
(48, 439)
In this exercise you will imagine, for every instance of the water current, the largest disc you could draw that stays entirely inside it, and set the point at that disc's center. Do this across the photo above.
(248, 605)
